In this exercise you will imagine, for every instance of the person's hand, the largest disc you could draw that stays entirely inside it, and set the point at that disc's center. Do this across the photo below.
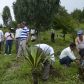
(77, 61)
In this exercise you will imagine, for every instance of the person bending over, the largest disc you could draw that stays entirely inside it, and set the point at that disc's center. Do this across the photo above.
(47, 50)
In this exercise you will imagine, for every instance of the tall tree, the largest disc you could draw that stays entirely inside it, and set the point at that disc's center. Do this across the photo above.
(7, 19)
(64, 21)
(38, 13)
(76, 14)
(82, 16)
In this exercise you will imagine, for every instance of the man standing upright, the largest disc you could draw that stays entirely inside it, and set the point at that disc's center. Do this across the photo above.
(1, 40)
(24, 36)
(17, 36)
(9, 36)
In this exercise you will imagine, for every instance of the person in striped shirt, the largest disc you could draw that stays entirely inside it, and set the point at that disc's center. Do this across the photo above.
(24, 37)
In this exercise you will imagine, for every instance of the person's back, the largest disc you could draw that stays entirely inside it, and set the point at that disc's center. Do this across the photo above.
(47, 49)
(18, 32)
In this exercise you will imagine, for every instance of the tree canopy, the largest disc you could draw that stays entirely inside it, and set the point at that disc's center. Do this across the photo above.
(38, 13)
(6, 16)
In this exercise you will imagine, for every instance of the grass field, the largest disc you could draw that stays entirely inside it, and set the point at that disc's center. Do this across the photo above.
(13, 73)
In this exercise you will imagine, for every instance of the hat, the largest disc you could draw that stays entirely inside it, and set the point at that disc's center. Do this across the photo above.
(80, 32)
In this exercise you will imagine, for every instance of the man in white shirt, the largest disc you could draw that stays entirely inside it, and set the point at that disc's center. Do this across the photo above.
(67, 56)
(1, 39)
(49, 51)
(17, 36)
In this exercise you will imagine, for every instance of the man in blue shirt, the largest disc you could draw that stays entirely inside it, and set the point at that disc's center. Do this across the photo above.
(24, 36)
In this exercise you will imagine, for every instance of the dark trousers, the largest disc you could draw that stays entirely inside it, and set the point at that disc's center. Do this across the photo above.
(1, 48)
(66, 60)
(53, 37)
(81, 53)
(8, 46)
(46, 70)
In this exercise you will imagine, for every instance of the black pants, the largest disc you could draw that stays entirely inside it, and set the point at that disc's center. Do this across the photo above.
(53, 37)
(1, 48)
(81, 52)
(66, 60)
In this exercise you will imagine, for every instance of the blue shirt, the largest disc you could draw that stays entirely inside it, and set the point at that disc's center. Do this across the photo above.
(24, 33)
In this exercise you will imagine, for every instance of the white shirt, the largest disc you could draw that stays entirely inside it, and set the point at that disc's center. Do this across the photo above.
(18, 33)
(1, 35)
(8, 36)
(32, 31)
(47, 49)
(67, 52)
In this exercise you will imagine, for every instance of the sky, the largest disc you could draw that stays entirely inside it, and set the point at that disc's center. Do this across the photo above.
(70, 5)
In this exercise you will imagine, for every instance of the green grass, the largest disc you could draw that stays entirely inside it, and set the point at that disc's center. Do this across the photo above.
(21, 74)
(11, 73)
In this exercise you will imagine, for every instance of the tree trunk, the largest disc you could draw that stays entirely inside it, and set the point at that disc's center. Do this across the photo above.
(64, 36)
(35, 77)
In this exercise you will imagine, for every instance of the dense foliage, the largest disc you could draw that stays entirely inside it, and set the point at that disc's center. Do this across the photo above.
(78, 15)
(6, 16)
(38, 13)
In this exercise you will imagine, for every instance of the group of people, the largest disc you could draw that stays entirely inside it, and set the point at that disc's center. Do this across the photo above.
(22, 35)
(67, 55)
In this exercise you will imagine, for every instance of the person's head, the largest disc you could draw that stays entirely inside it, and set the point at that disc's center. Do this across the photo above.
(80, 34)
(18, 25)
(72, 46)
(11, 30)
(23, 24)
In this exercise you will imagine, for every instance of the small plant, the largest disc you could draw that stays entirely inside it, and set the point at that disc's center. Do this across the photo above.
(36, 57)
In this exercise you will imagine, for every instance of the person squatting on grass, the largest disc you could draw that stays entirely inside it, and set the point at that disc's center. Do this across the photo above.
(24, 36)
(47, 50)
(67, 55)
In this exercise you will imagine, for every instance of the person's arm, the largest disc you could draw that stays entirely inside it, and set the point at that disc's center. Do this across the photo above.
(76, 42)
(52, 55)
(77, 60)
(28, 35)
(71, 55)
(12, 35)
